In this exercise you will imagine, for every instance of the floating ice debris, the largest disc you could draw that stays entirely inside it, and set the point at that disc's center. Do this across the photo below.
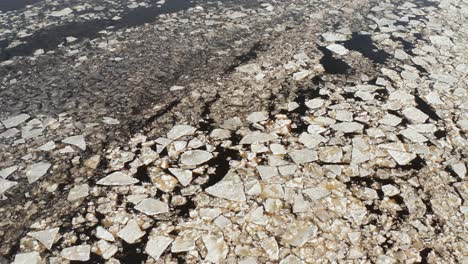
(180, 131)
(117, 178)
(176, 88)
(195, 157)
(27, 258)
(37, 170)
(102, 233)
(63, 12)
(76, 253)
(77, 192)
(402, 158)
(46, 237)
(257, 137)
(4, 173)
(131, 232)
(5, 185)
(256, 117)
(106, 249)
(236, 15)
(333, 37)
(441, 41)
(183, 176)
(111, 121)
(50, 145)
(271, 248)
(301, 75)
(315, 103)
(152, 206)
(338, 49)
(415, 115)
(157, 245)
(78, 141)
(15, 121)
(216, 247)
(303, 156)
(9, 133)
(230, 188)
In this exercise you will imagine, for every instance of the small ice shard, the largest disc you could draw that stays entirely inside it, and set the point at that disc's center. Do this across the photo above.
(150, 206)
(36, 171)
(78, 141)
(301, 75)
(180, 131)
(117, 178)
(195, 157)
(106, 249)
(76, 253)
(15, 120)
(46, 237)
(157, 245)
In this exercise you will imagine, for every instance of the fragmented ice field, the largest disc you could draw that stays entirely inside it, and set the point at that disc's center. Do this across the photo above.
(301, 131)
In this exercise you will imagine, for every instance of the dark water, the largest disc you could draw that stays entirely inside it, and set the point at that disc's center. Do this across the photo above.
(49, 38)
(364, 45)
(10, 5)
(333, 65)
